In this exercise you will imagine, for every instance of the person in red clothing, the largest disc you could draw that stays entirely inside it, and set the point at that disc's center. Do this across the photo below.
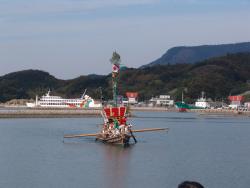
(123, 121)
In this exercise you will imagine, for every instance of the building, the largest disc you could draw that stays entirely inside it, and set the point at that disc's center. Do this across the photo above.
(132, 97)
(162, 100)
(247, 105)
(235, 101)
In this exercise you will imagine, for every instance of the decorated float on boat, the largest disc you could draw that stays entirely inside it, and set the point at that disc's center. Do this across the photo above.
(115, 129)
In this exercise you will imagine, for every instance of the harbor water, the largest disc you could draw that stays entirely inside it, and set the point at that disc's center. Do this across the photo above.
(213, 150)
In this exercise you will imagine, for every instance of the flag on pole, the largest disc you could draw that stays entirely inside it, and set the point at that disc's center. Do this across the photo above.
(115, 68)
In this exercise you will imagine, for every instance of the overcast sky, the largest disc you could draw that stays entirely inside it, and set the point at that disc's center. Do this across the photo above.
(69, 38)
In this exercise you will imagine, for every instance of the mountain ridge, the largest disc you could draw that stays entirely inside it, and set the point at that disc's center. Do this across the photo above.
(218, 77)
(194, 54)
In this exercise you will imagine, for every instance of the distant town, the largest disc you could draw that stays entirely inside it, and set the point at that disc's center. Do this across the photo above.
(236, 102)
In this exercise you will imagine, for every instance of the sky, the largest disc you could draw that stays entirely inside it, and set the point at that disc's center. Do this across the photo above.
(69, 38)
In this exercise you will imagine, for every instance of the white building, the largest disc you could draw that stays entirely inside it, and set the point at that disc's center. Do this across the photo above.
(247, 105)
(162, 100)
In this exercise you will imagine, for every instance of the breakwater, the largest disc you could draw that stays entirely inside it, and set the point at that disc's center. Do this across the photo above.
(160, 109)
(230, 112)
(23, 112)
(47, 112)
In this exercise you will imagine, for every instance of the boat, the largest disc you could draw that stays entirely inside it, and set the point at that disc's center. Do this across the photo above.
(115, 130)
(202, 102)
(50, 101)
(182, 107)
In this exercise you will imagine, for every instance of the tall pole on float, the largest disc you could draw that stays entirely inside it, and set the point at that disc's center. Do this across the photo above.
(115, 61)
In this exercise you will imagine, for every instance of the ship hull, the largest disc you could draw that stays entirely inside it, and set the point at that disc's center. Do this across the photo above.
(121, 139)
(182, 110)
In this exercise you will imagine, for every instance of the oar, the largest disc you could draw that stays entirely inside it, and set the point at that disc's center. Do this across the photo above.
(80, 135)
(150, 129)
(131, 132)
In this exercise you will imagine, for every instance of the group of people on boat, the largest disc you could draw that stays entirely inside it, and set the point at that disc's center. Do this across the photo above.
(116, 126)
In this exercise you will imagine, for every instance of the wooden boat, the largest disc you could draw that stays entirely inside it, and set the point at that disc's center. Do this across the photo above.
(124, 139)
(118, 139)
(115, 128)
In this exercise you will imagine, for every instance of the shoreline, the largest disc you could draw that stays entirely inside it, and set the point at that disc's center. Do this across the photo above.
(153, 109)
(24, 112)
(221, 112)
(21, 112)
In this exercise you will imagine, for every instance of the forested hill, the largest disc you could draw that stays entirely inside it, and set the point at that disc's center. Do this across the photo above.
(29, 83)
(194, 54)
(218, 77)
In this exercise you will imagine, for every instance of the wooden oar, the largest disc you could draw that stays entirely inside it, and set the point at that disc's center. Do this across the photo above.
(80, 135)
(150, 129)
(132, 135)
(132, 131)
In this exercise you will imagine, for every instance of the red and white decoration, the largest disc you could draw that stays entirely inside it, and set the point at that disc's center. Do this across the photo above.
(115, 68)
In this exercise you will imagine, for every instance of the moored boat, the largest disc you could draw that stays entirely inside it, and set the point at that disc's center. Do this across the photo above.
(50, 101)
(202, 102)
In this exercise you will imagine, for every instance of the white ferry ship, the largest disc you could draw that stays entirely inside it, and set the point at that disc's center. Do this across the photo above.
(49, 101)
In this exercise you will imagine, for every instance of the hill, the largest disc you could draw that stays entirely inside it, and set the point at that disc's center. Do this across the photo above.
(194, 54)
(24, 84)
(29, 83)
(218, 77)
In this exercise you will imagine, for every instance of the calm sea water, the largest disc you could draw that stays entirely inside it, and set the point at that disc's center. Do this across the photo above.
(212, 150)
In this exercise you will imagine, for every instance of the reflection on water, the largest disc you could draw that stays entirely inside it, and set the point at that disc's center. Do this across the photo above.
(116, 165)
(115, 160)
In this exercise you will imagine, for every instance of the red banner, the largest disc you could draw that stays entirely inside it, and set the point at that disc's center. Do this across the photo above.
(132, 94)
(236, 98)
(115, 112)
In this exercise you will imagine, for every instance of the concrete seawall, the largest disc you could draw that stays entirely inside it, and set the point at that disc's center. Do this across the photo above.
(47, 112)
(23, 112)
(155, 109)
(221, 112)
